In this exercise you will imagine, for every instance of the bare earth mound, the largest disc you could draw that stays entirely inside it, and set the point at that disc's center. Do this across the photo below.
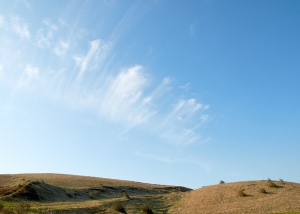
(242, 197)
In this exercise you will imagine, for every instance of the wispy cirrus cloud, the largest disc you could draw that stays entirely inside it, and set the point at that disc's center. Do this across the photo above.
(26, 3)
(123, 99)
(204, 165)
(61, 48)
(126, 96)
(31, 72)
(27, 78)
(185, 87)
(20, 27)
(97, 53)
(45, 35)
(181, 124)
(155, 157)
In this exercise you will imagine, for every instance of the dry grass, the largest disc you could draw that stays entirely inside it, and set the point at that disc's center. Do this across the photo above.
(215, 199)
(126, 196)
(81, 194)
(262, 190)
(94, 194)
(119, 207)
(272, 184)
(241, 193)
(219, 199)
(146, 209)
(70, 181)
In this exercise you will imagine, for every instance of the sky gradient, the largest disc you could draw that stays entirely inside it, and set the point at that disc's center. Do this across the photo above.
(171, 92)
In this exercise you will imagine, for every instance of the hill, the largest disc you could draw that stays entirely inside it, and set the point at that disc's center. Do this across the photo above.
(243, 197)
(60, 193)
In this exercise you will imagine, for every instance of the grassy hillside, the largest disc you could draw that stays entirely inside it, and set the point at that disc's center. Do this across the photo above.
(59, 193)
(243, 197)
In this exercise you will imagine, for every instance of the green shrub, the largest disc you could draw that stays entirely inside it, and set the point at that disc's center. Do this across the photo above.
(222, 182)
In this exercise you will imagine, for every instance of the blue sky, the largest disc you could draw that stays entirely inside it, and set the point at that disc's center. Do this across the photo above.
(171, 92)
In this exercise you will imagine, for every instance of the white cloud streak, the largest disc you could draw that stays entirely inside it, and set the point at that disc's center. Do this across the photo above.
(186, 86)
(122, 97)
(27, 4)
(203, 165)
(45, 35)
(98, 51)
(181, 124)
(155, 157)
(61, 48)
(123, 100)
(31, 72)
(20, 27)
(28, 77)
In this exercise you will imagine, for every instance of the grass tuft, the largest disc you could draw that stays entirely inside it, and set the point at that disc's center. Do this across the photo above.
(271, 183)
(145, 209)
(222, 182)
(119, 207)
(262, 190)
(125, 195)
(241, 193)
(94, 194)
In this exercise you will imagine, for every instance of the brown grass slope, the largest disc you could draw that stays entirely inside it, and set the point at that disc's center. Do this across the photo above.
(228, 198)
(61, 193)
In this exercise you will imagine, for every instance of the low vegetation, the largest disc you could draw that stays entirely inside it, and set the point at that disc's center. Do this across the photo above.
(262, 190)
(119, 207)
(15, 207)
(57, 194)
(126, 196)
(94, 194)
(146, 210)
(241, 193)
(272, 184)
